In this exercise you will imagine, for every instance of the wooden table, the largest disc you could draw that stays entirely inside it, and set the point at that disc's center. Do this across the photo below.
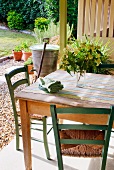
(98, 92)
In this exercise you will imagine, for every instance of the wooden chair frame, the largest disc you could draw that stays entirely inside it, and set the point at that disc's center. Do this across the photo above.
(12, 86)
(74, 110)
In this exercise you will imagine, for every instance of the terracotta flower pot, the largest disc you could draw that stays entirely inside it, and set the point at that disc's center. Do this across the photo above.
(17, 55)
(26, 55)
(30, 67)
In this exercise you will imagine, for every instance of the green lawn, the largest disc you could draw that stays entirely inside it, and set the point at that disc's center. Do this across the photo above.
(9, 39)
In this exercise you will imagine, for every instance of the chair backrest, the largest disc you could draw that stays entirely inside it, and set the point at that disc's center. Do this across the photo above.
(86, 127)
(96, 19)
(109, 68)
(106, 65)
(13, 84)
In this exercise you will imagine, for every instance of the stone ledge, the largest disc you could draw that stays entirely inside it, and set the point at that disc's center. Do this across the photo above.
(5, 58)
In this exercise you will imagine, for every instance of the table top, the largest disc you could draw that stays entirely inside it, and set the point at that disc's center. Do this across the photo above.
(97, 92)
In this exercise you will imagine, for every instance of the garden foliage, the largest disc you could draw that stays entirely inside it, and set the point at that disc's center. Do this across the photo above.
(84, 55)
(30, 10)
(52, 8)
(15, 20)
(41, 23)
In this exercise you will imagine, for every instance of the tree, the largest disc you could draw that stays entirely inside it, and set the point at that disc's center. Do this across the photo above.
(52, 9)
(30, 10)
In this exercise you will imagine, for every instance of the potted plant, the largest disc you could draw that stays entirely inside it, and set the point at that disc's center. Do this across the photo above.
(17, 53)
(29, 63)
(80, 56)
(26, 51)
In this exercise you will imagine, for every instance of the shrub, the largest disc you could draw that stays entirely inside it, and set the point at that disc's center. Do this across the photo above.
(50, 32)
(41, 23)
(53, 30)
(15, 20)
(52, 8)
(30, 10)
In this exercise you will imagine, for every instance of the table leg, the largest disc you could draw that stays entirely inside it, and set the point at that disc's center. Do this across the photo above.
(25, 123)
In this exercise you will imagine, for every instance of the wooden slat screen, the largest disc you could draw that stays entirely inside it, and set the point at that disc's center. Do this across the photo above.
(96, 18)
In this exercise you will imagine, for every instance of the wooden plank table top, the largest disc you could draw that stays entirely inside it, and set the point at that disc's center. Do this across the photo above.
(97, 92)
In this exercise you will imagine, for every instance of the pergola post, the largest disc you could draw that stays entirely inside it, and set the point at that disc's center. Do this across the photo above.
(63, 24)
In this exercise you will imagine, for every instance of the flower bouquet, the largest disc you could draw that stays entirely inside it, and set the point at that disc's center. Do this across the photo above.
(80, 56)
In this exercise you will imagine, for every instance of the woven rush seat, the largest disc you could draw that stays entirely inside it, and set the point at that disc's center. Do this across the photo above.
(79, 150)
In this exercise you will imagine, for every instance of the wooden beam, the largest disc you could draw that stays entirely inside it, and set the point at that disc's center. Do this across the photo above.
(63, 24)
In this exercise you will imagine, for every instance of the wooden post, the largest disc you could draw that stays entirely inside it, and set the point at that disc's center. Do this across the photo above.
(63, 24)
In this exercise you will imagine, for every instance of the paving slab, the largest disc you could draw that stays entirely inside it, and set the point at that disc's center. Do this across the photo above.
(2, 80)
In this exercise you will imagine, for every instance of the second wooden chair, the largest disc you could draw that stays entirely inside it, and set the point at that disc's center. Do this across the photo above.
(13, 85)
(81, 140)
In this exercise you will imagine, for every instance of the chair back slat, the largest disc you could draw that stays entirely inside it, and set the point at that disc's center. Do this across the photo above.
(106, 65)
(80, 110)
(16, 71)
(19, 82)
(73, 141)
(83, 127)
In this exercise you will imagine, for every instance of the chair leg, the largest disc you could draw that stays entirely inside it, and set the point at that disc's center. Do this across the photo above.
(103, 166)
(17, 137)
(45, 137)
(59, 158)
(104, 158)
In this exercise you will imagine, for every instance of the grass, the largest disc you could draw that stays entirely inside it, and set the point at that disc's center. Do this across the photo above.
(9, 39)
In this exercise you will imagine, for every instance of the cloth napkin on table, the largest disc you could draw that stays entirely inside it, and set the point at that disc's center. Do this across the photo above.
(50, 85)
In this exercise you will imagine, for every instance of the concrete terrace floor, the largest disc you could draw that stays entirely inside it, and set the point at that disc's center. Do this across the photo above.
(10, 159)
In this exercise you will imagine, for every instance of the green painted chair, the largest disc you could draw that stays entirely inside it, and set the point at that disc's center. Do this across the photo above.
(36, 120)
(81, 140)
(109, 67)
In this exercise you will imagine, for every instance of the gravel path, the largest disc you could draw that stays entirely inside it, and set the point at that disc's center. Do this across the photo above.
(7, 127)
